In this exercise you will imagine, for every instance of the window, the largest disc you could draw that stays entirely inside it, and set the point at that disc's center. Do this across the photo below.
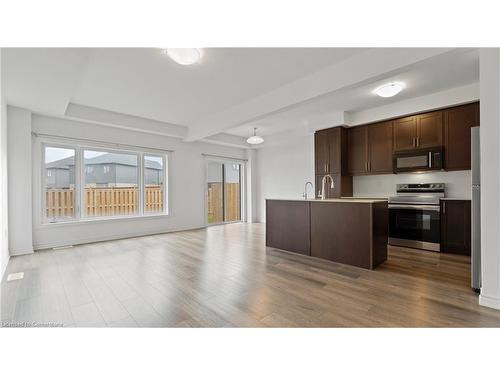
(110, 194)
(59, 186)
(107, 183)
(154, 190)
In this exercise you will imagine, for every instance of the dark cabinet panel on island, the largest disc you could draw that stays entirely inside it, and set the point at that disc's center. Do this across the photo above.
(348, 231)
(288, 225)
(354, 234)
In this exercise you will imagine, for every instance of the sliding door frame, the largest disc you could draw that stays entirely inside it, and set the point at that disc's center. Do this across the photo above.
(243, 191)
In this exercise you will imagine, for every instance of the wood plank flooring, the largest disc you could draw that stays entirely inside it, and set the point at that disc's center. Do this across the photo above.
(224, 276)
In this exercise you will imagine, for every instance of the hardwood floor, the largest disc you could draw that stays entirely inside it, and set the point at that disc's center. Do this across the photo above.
(224, 276)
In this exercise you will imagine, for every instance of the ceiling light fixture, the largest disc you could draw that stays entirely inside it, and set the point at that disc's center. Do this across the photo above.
(255, 139)
(389, 89)
(183, 56)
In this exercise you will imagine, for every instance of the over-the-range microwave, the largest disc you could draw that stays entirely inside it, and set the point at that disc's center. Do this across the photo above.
(421, 160)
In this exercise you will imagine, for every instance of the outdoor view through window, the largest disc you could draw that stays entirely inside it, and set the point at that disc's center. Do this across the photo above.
(59, 183)
(111, 183)
(109, 186)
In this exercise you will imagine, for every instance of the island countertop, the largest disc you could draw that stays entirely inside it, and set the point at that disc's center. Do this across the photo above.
(329, 200)
(345, 230)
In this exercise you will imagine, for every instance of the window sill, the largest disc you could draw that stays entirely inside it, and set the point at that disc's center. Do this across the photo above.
(103, 220)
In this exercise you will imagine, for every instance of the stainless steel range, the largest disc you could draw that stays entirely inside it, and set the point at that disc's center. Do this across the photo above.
(414, 216)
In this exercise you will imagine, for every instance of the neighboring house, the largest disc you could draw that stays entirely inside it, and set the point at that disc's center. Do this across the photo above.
(103, 171)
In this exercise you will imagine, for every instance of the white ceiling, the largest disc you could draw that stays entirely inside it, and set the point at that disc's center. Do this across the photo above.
(232, 89)
(146, 83)
(436, 74)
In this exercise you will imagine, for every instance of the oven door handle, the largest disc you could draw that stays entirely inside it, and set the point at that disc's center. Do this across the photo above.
(417, 207)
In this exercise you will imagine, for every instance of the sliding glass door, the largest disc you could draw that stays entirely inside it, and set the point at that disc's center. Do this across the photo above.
(224, 192)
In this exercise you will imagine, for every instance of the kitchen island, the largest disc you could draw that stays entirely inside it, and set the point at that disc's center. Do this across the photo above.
(345, 230)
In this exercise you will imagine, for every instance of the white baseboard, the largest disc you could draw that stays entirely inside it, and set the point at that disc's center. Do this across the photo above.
(14, 253)
(491, 302)
(50, 245)
(2, 271)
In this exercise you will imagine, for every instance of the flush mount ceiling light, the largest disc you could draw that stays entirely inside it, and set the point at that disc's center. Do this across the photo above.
(389, 89)
(183, 56)
(255, 139)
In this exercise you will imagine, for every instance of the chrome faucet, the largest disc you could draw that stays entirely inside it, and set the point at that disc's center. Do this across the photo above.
(323, 182)
(304, 194)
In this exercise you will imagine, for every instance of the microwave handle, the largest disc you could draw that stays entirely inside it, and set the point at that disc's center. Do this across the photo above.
(430, 159)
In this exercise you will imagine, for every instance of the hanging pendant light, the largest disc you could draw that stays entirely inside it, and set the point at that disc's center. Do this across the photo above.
(255, 139)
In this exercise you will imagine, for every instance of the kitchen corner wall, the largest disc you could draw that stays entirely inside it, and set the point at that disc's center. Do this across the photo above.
(286, 160)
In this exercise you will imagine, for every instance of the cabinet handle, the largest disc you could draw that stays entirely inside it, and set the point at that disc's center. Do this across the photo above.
(369, 166)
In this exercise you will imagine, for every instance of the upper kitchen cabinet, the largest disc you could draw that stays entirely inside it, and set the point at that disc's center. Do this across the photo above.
(321, 151)
(380, 147)
(457, 124)
(419, 131)
(330, 149)
(357, 150)
(430, 130)
(405, 133)
(370, 149)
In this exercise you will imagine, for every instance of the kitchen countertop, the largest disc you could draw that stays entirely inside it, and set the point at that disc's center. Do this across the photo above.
(334, 200)
(455, 199)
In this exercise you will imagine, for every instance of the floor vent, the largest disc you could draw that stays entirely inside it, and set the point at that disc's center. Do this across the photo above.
(15, 276)
(62, 247)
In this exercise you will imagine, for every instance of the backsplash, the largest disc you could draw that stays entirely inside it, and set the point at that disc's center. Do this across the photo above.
(384, 185)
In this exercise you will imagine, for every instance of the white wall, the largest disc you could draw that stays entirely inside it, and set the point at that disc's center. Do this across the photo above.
(4, 243)
(19, 180)
(186, 173)
(490, 176)
(283, 169)
(383, 186)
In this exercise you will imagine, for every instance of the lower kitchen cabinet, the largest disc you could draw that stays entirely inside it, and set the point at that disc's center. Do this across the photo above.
(456, 227)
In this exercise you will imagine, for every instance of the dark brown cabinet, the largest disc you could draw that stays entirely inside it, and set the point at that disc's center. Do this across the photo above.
(357, 146)
(405, 133)
(430, 129)
(288, 225)
(419, 131)
(329, 145)
(370, 149)
(330, 157)
(456, 227)
(321, 151)
(380, 147)
(458, 122)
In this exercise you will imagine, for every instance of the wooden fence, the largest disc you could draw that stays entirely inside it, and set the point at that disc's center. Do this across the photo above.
(104, 201)
(215, 206)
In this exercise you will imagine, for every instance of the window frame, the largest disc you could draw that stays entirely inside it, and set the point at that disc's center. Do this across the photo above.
(79, 204)
(243, 188)
(164, 158)
(45, 218)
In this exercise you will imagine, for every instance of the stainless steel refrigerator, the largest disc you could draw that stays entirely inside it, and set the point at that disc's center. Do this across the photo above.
(476, 210)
